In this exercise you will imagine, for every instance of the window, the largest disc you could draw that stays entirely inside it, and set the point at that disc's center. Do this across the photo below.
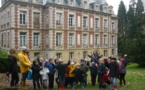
(22, 17)
(85, 22)
(96, 23)
(84, 54)
(71, 39)
(58, 18)
(105, 52)
(113, 26)
(84, 40)
(97, 7)
(85, 4)
(71, 20)
(58, 39)
(36, 20)
(105, 9)
(113, 51)
(78, 54)
(112, 40)
(96, 40)
(36, 39)
(2, 39)
(58, 1)
(105, 40)
(23, 39)
(71, 55)
(105, 24)
(36, 55)
(59, 55)
(71, 3)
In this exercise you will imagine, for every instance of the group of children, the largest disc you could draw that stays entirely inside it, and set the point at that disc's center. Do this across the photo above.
(69, 74)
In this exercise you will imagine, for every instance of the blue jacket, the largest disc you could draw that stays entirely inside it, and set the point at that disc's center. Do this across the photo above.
(51, 67)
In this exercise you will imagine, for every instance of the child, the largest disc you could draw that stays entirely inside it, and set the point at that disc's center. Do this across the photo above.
(78, 76)
(61, 73)
(44, 73)
(101, 71)
(106, 79)
(114, 72)
(35, 74)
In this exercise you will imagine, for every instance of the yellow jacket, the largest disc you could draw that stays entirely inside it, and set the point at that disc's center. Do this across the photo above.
(71, 68)
(24, 62)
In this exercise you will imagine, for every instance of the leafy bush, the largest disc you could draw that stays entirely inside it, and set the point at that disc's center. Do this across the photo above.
(3, 60)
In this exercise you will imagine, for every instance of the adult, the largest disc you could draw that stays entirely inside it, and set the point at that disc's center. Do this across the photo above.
(94, 72)
(84, 68)
(24, 65)
(51, 66)
(122, 71)
(38, 59)
(13, 67)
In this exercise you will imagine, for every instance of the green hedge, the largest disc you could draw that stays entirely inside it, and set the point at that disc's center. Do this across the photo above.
(3, 60)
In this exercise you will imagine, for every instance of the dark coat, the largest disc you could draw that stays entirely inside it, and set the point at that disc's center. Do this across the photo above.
(123, 68)
(101, 69)
(12, 64)
(84, 67)
(35, 71)
(62, 69)
(94, 69)
(79, 74)
(51, 67)
(114, 69)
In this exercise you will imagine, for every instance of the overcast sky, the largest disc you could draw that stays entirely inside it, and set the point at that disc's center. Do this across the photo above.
(114, 3)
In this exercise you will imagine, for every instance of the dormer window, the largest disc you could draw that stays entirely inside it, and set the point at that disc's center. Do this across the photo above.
(110, 11)
(105, 9)
(71, 3)
(97, 7)
(58, 1)
(85, 4)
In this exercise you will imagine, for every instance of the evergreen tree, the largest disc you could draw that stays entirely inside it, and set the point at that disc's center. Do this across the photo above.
(121, 26)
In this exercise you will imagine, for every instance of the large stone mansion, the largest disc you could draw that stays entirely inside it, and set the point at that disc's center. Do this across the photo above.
(62, 28)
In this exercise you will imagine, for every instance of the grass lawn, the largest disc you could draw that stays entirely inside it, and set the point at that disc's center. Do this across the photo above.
(135, 79)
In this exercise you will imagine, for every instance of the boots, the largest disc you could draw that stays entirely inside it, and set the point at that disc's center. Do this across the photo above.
(62, 86)
(24, 85)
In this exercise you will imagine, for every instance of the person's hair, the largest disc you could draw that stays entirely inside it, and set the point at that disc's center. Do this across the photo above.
(50, 59)
(34, 62)
(12, 51)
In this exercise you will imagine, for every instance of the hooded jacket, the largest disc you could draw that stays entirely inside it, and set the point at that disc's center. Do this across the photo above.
(24, 62)
(12, 63)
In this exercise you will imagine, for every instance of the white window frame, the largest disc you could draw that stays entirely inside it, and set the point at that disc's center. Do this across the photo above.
(71, 20)
(105, 24)
(85, 21)
(23, 38)
(85, 40)
(22, 18)
(58, 39)
(113, 26)
(96, 40)
(58, 18)
(105, 40)
(71, 2)
(36, 41)
(97, 24)
(71, 39)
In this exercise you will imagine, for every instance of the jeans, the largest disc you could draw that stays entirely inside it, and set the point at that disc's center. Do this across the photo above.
(74, 84)
(51, 81)
(14, 79)
(93, 79)
(61, 80)
(24, 76)
(36, 80)
(114, 82)
(100, 77)
(122, 78)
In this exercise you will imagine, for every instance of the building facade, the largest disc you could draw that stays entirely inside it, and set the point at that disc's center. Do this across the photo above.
(59, 28)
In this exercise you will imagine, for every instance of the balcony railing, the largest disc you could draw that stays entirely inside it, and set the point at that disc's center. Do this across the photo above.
(85, 45)
(105, 45)
(97, 45)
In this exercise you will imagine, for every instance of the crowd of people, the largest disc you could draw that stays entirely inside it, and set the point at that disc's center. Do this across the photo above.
(70, 74)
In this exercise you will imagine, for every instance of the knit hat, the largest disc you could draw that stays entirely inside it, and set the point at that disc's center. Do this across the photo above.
(82, 60)
(23, 48)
